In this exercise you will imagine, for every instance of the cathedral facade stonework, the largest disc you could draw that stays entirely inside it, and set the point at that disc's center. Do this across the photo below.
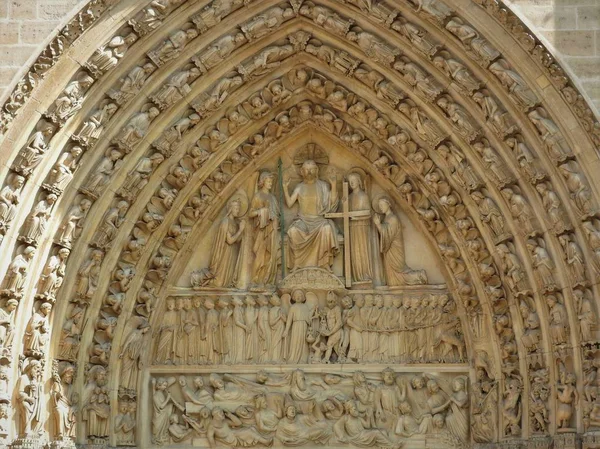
(242, 223)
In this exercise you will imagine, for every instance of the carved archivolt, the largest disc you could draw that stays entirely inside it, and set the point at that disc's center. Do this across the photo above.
(456, 111)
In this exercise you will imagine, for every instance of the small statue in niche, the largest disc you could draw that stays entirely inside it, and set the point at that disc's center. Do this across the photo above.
(98, 180)
(172, 47)
(71, 99)
(36, 332)
(31, 156)
(567, 397)
(52, 275)
(130, 354)
(360, 229)
(96, 408)
(221, 271)
(7, 324)
(264, 211)
(107, 56)
(14, 279)
(91, 130)
(296, 328)
(132, 83)
(136, 129)
(73, 223)
(89, 275)
(30, 395)
(62, 172)
(35, 224)
(64, 401)
(9, 198)
(392, 246)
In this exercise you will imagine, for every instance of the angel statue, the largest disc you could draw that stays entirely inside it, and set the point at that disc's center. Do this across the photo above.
(226, 250)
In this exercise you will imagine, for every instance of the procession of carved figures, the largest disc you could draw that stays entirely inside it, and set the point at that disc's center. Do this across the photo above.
(297, 408)
(302, 328)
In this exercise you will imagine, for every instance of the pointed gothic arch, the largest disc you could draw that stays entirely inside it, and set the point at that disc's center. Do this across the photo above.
(455, 110)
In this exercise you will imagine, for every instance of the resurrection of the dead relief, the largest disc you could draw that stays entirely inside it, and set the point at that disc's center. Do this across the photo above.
(259, 224)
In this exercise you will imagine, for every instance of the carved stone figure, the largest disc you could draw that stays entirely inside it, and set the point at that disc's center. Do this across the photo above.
(166, 348)
(53, 274)
(312, 237)
(574, 259)
(516, 85)
(88, 275)
(35, 224)
(175, 88)
(71, 99)
(132, 83)
(135, 130)
(109, 226)
(92, 128)
(490, 213)
(30, 396)
(14, 279)
(265, 213)
(558, 320)
(417, 36)
(71, 227)
(391, 246)
(326, 18)
(360, 230)
(556, 214)
(222, 268)
(173, 46)
(64, 401)
(102, 173)
(551, 135)
(9, 198)
(130, 355)
(125, 424)
(62, 172)
(296, 328)
(578, 187)
(499, 119)
(266, 23)
(31, 156)
(418, 78)
(36, 332)
(374, 47)
(567, 397)
(218, 52)
(7, 324)
(543, 265)
(107, 56)
(70, 336)
(471, 39)
(96, 406)
(458, 72)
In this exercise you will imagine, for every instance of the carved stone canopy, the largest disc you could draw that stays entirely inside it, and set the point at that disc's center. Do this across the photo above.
(421, 269)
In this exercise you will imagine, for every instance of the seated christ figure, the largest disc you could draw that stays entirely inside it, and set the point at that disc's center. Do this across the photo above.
(312, 237)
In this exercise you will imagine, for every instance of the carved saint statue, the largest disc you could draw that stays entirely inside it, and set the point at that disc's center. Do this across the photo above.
(63, 401)
(30, 395)
(312, 237)
(226, 250)
(360, 230)
(264, 211)
(391, 245)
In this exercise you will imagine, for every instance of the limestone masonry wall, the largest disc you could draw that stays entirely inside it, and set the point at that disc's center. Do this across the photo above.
(570, 27)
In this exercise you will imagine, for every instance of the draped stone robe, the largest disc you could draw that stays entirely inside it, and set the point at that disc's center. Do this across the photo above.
(312, 237)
